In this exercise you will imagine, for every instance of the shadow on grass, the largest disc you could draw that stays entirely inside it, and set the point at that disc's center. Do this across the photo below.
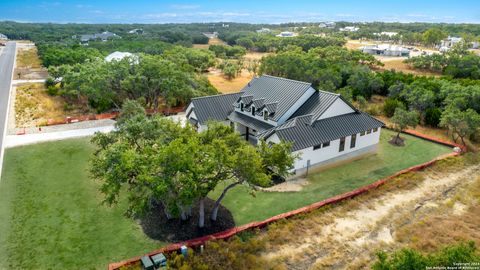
(156, 226)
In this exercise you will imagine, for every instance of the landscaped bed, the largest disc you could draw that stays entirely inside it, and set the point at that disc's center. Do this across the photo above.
(52, 217)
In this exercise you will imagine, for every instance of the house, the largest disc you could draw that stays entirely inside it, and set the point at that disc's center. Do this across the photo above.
(386, 34)
(386, 50)
(449, 42)
(322, 126)
(329, 25)
(118, 56)
(349, 29)
(136, 31)
(287, 34)
(264, 31)
(3, 37)
(104, 36)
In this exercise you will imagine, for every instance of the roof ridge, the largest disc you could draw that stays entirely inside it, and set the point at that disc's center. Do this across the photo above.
(286, 79)
(215, 95)
(329, 93)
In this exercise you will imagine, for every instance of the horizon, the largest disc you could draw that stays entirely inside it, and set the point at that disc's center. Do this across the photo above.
(248, 11)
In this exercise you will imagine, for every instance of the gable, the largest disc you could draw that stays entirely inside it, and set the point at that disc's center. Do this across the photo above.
(338, 107)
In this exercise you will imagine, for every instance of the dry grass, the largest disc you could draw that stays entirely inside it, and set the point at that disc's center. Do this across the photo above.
(396, 63)
(212, 41)
(224, 85)
(33, 106)
(28, 65)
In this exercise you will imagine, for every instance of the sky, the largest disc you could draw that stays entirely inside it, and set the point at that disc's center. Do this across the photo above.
(250, 11)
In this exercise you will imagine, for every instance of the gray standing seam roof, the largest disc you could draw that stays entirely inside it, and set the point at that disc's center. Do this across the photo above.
(304, 135)
(284, 92)
(249, 121)
(216, 107)
(317, 104)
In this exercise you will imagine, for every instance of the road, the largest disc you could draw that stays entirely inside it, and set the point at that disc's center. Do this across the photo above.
(7, 61)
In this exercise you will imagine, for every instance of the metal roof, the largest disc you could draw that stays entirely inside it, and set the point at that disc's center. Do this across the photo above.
(249, 121)
(284, 92)
(317, 104)
(304, 135)
(216, 107)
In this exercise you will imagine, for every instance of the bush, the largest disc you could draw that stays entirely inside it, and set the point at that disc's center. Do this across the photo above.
(390, 105)
(374, 109)
(52, 90)
(412, 259)
(432, 116)
(49, 82)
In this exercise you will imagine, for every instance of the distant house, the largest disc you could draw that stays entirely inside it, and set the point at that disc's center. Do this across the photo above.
(136, 31)
(104, 36)
(287, 34)
(349, 29)
(211, 34)
(329, 25)
(118, 56)
(322, 126)
(388, 34)
(386, 50)
(3, 37)
(264, 31)
(448, 43)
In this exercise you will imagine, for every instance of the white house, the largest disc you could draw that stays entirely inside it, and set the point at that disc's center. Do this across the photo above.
(349, 29)
(322, 126)
(264, 30)
(3, 37)
(329, 25)
(287, 34)
(386, 50)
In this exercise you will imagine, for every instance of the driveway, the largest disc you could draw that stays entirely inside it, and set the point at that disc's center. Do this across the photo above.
(7, 61)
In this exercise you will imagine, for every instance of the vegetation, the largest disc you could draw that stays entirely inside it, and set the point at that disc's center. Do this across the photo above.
(452, 256)
(166, 80)
(403, 119)
(158, 160)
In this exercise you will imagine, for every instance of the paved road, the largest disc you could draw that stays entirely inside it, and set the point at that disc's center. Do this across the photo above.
(7, 60)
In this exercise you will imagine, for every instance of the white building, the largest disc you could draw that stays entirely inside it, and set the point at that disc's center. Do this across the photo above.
(118, 56)
(264, 31)
(322, 126)
(329, 25)
(3, 37)
(287, 34)
(386, 50)
(349, 29)
(388, 34)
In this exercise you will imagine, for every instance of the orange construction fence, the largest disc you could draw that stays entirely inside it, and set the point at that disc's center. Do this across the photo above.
(260, 224)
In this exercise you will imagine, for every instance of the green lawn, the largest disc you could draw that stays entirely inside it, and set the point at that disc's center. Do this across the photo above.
(50, 212)
(388, 160)
(51, 216)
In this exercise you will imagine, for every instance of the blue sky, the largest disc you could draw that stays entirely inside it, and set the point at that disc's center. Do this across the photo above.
(266, 11)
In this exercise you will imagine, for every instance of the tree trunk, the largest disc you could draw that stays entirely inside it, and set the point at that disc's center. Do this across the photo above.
(463, 141)
(213, 217)
(201, 216)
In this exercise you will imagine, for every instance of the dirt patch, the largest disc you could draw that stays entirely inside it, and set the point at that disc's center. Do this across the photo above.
(397, 141)
(224, 85)
(339, 238)
(293, 185)
(397, 64)
(156, 226)
(29, 66)
(212, 41)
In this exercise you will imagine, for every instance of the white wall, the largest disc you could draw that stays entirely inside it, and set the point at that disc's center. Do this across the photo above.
(329, 152)
(338, 107)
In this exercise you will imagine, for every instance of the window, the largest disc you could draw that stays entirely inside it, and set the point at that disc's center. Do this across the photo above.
(316, 147)
(375, 129)
(326, 144)
(241, 107)
(265, 115)
(342, 144)
(353, 141)
(253, 110)
(369, 131)
(362, 133)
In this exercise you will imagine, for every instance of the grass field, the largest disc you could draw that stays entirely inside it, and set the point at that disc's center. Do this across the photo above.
(328, 183)
(51, 216)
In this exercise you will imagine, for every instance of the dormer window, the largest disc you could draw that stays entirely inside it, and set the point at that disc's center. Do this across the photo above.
(241, 106)
(265, 115)
(253, 110)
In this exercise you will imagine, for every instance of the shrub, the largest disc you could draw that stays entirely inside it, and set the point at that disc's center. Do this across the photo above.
(390, 105)
(432, 116)
(412, 259)
(49, 82)
(374, 109)
(52, 90)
